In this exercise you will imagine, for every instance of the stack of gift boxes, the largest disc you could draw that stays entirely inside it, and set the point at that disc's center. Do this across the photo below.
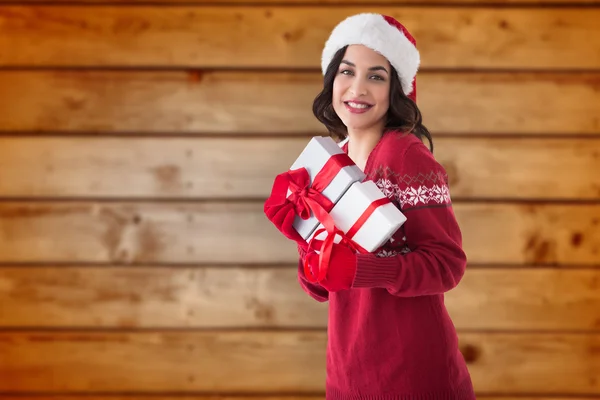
(360, 210)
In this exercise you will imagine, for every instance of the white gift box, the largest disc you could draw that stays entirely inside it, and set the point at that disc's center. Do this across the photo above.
(377, 229)
(314, 157)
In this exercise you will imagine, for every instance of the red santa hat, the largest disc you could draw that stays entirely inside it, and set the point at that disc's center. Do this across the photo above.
(384, 35)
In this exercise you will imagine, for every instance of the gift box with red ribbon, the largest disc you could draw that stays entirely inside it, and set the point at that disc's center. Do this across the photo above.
(318, 178)
(365, 216)
(363, 219)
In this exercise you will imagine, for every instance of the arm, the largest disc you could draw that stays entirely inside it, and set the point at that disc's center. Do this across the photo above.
(314, 290)
(436, 263)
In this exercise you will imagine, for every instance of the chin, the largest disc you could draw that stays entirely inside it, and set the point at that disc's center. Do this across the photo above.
(355, 124)
(358, 122)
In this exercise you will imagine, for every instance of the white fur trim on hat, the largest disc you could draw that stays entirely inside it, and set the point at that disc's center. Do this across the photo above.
(374, 32)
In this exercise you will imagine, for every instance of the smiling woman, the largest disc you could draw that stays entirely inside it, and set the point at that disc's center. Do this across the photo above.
(402, 340)
(363, 88)
(374, 77)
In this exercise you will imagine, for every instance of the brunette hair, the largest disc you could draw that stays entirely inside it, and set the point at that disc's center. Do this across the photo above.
(403, 114)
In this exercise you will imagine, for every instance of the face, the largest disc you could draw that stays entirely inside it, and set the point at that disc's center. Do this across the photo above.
(361, 89)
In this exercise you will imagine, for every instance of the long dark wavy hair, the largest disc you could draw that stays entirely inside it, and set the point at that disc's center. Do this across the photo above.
(403, 114)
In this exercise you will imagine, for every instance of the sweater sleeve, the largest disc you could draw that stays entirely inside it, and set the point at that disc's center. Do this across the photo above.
(436, 261)
(314, 290)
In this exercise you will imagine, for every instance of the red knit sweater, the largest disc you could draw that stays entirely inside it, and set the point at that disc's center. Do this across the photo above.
(390, 336)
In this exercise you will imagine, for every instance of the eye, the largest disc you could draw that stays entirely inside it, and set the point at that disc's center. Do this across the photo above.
(345, 72)
(378, 77)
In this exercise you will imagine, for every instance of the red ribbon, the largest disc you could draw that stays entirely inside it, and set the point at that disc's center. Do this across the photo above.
(326, 246)
(365, 216)
(307, 197)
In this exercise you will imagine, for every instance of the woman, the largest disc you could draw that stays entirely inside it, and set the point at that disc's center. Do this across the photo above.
(390, 335)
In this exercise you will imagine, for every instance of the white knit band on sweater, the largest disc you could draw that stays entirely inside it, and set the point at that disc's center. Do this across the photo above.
(375, 32)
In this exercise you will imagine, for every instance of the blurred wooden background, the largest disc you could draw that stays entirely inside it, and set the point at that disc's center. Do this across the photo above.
(138, 142)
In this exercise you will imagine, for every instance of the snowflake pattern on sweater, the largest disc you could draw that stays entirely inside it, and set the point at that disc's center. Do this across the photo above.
(414, 195)
(409, 191)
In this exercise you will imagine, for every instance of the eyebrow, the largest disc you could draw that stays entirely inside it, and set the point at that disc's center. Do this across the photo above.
(375, 68)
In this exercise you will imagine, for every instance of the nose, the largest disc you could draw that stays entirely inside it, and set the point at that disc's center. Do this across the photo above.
(358, 87)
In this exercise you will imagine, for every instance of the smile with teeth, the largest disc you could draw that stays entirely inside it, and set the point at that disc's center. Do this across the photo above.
(357, 105)
(357, 108)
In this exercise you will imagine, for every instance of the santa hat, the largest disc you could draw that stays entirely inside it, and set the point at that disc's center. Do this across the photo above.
(383, 34)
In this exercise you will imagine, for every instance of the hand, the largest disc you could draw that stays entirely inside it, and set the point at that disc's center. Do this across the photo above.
(281, 212)
(341, 270)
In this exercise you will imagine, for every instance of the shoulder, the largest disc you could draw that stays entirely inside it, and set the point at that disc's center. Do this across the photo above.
(397, 141)
(419, 166)
(400, 153)
(423, 181)
(408, 166)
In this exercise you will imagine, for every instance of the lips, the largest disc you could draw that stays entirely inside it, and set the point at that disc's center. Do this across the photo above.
(357, 107)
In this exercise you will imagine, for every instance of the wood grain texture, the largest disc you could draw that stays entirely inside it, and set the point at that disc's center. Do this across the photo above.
(526, 299)
(227, 102)
(242, 397)
(208, 36)
(134, 232)
(231, 232)
(199, 397)
(215, 396)
(145, 297)
(157, 102)
(195, 397)
(339, 2)
(262, 297)
(241, 168)
(272, 362)
(164, 361)
(521, 168)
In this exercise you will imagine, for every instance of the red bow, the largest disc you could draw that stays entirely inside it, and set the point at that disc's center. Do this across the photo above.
(307, 198)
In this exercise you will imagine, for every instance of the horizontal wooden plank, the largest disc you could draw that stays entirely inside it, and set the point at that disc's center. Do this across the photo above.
(198, 397)
(210, 36)
(169, 361)
(215, 396)
(227, 102)
(246, 167)
(156, 102)
(142, 297)
(230, 232)
(521, 168)
(254, 396)
(336, 2)
(285, 396)
(270, 362)
(534, 234)
(213, 297)
(71, 396)
(526, 299)
(242, 397)
(113, 167)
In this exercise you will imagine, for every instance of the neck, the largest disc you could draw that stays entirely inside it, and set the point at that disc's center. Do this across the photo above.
(361, 143)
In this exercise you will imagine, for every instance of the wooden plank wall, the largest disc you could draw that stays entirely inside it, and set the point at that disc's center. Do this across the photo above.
(139, 140)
